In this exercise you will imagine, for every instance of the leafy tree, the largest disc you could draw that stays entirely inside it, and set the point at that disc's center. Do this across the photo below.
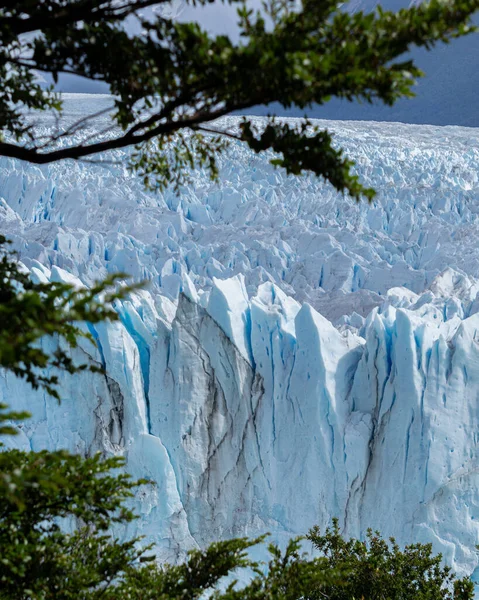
(375, 570)
(173, 80)
(29, 311)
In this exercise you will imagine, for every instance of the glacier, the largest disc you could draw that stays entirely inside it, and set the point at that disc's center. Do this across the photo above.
(295, 355)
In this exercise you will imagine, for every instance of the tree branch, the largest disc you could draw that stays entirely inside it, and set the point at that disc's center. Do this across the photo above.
(82, 10)
(46, 69)
(128, 139)
(218, 132)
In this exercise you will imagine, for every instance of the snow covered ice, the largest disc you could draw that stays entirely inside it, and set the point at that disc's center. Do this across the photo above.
(296, 356)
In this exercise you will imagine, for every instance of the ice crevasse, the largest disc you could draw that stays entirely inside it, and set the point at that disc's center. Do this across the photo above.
(296, 356)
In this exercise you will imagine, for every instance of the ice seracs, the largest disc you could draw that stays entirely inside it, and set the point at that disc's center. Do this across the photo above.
(295, 356)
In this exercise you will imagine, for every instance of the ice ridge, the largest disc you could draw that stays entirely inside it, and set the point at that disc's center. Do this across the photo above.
(295, 357)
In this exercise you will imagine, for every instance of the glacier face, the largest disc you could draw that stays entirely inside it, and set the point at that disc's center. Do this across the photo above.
(296, 356)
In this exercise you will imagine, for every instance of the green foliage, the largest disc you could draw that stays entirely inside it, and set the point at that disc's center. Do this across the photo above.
(7, 416)
(287, 576)
(42, 494)
(172, 160)
(305, 149)
(174, 78)
(30, 311)
(375, 570)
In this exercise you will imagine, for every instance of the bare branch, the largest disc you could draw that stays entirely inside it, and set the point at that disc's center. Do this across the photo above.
(78, 125)
(218, 132)
(101, 162)
(167, 109)
(45, 69)
(99, 133)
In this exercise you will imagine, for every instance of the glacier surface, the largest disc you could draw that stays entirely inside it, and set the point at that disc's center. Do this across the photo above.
(296, 356)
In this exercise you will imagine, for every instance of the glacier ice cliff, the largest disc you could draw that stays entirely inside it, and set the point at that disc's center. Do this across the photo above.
(295, 357)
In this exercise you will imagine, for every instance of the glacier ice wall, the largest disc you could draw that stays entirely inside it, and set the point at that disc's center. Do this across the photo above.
(295, 357)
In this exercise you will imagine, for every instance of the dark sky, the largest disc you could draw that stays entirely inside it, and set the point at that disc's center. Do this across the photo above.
(448, 95)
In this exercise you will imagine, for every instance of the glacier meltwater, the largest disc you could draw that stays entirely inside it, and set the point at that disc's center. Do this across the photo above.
(295, 356)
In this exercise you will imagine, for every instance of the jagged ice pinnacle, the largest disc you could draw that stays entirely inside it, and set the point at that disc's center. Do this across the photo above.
(296, 356)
